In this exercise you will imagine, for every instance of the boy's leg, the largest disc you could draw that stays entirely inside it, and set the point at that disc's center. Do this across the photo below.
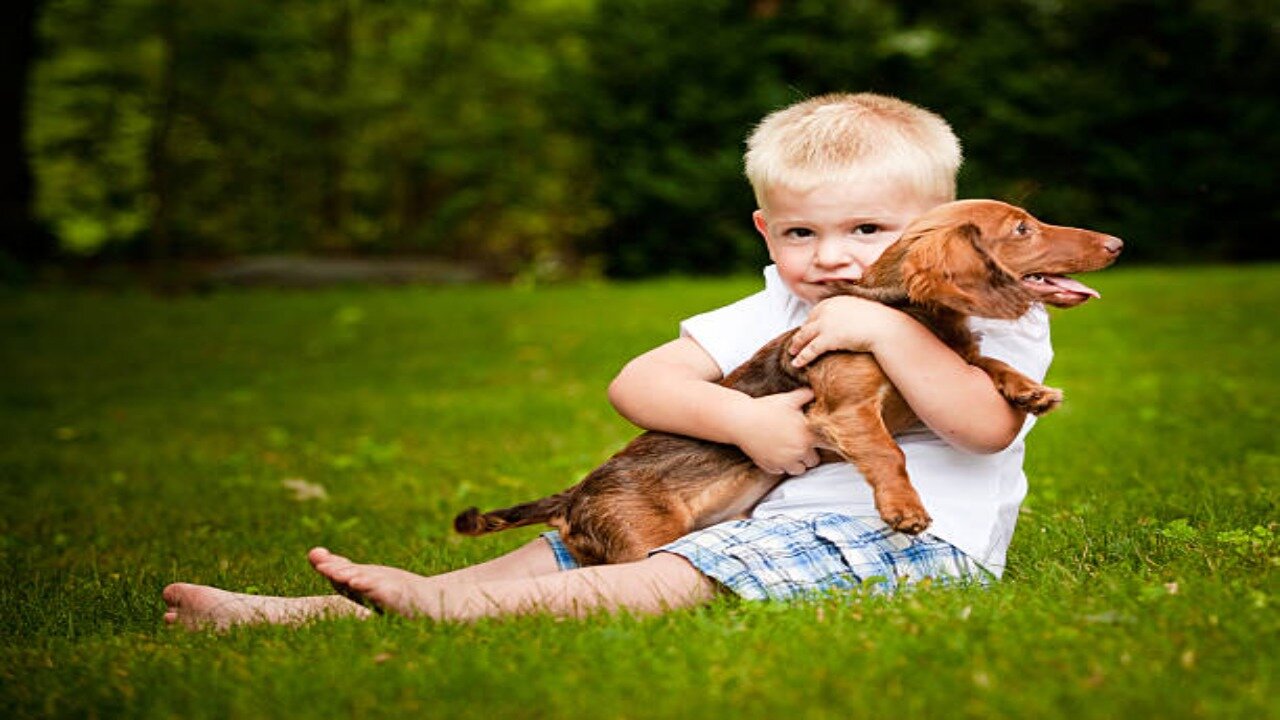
(204, 606)
(533, 558)
(661, 582)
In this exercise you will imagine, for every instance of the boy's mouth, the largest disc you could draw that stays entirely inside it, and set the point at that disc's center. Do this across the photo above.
(1059, 290)
(828, 287)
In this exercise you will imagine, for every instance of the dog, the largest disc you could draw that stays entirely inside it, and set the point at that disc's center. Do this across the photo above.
(966, 258)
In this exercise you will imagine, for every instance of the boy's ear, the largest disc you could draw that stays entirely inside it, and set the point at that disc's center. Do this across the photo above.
(947, 266)
(762, 225)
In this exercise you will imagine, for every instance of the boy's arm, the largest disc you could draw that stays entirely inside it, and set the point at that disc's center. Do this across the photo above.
(673, 388)
(955, 399)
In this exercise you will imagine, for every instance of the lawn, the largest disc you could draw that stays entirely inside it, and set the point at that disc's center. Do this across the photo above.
(149, 439)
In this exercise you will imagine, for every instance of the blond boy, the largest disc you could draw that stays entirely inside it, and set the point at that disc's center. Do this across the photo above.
(837, 178)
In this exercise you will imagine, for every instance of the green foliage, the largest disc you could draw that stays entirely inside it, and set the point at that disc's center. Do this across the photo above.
(1148, 117)
(548, 138)
(219, 127)
(148, 440)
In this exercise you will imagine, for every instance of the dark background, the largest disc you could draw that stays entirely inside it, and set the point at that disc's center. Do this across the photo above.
(552, 138)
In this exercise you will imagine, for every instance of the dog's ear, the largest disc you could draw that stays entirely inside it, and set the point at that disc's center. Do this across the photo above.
(947, 266)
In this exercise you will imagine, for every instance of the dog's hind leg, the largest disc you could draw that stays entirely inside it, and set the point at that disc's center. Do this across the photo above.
(618, 527)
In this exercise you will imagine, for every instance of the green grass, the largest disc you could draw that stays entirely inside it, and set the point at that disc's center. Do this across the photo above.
(145, 440)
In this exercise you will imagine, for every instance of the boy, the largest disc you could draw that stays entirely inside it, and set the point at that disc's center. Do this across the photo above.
(837, 178)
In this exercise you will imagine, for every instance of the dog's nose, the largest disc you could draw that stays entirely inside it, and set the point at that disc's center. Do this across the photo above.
(1112, 245)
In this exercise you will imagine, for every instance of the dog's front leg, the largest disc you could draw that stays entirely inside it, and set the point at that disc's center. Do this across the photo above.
(1021, 391)
(859, 434)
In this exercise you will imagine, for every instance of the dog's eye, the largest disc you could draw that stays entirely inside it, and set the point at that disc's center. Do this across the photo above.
(1022, 228)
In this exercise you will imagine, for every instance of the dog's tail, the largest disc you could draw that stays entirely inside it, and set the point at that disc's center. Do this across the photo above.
(473, 522)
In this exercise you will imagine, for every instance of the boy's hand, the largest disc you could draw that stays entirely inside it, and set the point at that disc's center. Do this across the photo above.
(841, 323)
(773, 432)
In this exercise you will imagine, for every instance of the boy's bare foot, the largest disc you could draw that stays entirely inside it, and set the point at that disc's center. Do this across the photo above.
(201, 606)
(381, 587)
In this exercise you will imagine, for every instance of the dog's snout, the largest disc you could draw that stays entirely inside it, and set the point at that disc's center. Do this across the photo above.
(1112, 244)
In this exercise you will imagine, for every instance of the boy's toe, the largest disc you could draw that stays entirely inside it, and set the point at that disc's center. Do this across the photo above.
(172, 594)
(317, 555)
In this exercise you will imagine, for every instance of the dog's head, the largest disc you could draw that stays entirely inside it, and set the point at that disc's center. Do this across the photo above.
(991, 259)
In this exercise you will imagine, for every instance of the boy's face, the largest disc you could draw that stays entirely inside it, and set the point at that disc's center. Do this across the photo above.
(834, 231)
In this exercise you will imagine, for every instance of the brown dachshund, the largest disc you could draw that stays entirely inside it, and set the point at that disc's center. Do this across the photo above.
(972, 257)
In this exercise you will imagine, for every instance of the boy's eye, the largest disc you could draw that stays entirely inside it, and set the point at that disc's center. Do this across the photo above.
(866, 229)
(799, 233)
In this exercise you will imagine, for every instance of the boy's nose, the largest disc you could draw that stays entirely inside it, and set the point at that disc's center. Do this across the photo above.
(831, 253)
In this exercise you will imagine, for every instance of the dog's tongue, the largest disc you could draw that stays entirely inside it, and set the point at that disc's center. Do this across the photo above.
(1070, 285)
(1060, 287)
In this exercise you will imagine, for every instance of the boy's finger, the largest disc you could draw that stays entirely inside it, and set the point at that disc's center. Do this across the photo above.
(802, 338)
(800, 396)
(805, 355)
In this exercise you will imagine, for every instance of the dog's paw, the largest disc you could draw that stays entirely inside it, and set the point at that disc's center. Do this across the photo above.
(906, 515)
(1037, 399)
(913, 525)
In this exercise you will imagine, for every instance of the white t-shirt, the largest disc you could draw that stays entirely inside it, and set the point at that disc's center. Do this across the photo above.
(972, 498)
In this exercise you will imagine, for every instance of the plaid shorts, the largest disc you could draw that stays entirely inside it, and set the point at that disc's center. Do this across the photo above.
(785, 557)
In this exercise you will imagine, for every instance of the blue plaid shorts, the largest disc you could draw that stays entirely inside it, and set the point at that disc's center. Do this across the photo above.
(787, 557)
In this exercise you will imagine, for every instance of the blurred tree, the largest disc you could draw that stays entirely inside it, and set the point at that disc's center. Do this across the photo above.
(1147, 117)
(669, 93)
(534, 137)
(464, 149)
(168, 127)
(23, 238)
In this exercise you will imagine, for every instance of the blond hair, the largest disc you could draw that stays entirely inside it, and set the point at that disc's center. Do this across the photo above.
(846, 137)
